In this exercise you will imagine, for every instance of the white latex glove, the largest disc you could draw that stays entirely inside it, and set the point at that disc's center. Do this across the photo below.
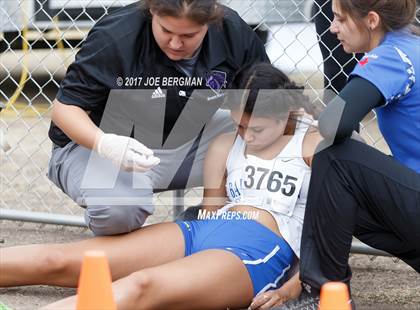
(126, 153)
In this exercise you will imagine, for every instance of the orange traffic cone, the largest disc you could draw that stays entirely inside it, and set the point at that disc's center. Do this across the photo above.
(95, 291)
(334, 296)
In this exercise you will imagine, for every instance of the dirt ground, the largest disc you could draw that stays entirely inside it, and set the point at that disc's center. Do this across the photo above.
(378, 282)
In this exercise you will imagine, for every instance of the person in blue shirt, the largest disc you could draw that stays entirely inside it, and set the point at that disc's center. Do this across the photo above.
(337, 63)
(356, 190)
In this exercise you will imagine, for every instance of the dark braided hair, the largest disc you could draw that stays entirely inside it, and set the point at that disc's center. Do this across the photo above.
(267, 92)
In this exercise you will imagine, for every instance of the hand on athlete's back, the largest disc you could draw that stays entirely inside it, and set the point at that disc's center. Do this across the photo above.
(126, 153)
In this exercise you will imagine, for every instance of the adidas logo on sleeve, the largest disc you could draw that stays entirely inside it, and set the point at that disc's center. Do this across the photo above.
(158, 93)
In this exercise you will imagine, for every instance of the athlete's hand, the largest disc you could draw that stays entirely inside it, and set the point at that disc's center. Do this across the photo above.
(126, 152)
(267, 300)
(270, 299)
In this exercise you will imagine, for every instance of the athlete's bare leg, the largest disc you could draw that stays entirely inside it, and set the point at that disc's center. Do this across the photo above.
(59, 264)
(212, 279)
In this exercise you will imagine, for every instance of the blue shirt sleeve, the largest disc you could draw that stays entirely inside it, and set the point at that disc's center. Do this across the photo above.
(388, 68)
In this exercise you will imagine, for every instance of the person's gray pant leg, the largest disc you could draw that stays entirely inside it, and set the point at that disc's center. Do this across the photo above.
(113, 205)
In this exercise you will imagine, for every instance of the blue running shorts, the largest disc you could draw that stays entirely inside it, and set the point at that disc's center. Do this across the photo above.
(266, 255)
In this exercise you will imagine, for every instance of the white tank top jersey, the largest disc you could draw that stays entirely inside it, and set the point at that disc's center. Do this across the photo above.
(279, 186)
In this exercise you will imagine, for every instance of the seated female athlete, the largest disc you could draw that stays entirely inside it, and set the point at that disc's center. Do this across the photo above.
(256, 182)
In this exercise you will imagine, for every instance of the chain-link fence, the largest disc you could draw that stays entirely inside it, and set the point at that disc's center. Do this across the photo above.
(40, 39)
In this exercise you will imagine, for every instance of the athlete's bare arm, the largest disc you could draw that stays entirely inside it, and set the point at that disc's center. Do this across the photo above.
(310, 142)
(215, 172)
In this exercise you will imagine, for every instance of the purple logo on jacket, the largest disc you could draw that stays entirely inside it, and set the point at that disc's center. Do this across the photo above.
(216, 80)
